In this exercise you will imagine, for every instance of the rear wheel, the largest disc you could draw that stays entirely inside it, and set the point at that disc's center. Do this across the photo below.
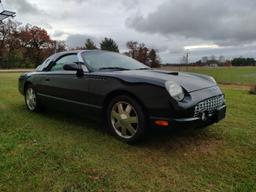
(31, 98)
(126, 119)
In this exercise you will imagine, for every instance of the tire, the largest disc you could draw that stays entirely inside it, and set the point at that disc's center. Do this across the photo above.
(125, 119)
(31, 100)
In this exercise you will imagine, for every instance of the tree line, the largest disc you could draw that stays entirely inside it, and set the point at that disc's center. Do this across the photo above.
(240, 61)
(243, 62)
(27, 46)
(136, 50)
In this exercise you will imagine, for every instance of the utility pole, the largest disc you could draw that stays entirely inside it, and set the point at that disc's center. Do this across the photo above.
(187, 56)
(56, 47)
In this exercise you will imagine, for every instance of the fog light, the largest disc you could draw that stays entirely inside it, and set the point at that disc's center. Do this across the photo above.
(162, 123)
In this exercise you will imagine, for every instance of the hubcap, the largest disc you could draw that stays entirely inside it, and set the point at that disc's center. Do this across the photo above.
(31, 99)
(124, 119)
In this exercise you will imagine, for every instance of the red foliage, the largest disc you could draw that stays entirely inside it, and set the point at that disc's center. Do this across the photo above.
(25, 44)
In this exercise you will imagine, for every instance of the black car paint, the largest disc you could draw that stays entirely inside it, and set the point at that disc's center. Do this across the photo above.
(92, 91)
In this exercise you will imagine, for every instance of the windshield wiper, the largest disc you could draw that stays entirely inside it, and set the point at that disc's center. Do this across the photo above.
(144, 68)
(115, 68)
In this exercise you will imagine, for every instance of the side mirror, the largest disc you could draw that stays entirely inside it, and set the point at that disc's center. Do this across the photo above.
(71, 67)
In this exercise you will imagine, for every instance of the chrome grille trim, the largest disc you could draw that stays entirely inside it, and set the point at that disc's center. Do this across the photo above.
(209, 105)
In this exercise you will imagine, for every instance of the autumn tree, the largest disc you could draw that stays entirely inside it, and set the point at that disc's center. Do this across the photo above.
(25, 46)
(154, 60)
(133, 47)
(9, 42)
(143, 54)
(36, 40)
(7, 39)
(8, 35)
(90, 45)
(109, 44)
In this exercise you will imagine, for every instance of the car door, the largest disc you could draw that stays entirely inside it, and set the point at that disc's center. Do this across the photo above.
(64, 88)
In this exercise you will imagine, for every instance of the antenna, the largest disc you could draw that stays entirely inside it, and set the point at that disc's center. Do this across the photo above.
(2, 5)
(5, 13)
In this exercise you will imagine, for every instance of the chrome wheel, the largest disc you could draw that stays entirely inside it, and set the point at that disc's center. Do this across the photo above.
(124, 119)
(31, 99)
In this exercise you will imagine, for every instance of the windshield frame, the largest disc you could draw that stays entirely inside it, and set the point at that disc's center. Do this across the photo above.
(83, 55)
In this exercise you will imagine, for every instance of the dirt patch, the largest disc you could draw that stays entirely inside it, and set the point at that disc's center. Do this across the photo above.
(3, 107)
(196, 145)
(206, 147)
(236, 86)
(15, 70)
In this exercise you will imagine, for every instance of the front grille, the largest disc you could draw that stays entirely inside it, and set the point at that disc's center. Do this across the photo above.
(209, 105)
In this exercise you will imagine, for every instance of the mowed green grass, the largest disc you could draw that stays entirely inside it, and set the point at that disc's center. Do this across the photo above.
(51, 151)
(237, 75)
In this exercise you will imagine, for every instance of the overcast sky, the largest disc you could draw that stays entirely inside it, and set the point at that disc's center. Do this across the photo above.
(205, 27)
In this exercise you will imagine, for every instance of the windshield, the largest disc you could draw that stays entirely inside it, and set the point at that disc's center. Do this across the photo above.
(44, 64)
(103, 60)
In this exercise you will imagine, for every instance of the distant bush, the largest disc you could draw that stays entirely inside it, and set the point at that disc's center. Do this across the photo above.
(243, 61)
(253, 90)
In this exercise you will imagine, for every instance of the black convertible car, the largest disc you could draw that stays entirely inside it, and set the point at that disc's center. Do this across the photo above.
(129, 95)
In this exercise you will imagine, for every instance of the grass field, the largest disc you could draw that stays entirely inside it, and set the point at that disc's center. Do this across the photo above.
(237, 75)
(55, 152)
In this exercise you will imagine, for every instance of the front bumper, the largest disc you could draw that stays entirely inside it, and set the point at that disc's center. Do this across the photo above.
(203, 120)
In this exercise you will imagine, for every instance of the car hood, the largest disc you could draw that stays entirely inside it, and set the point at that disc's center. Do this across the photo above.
(189, 81)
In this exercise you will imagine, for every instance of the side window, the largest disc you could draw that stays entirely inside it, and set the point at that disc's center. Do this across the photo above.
(67, 59)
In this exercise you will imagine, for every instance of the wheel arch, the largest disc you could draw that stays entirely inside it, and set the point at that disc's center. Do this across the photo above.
(116, 93)
(26, 85)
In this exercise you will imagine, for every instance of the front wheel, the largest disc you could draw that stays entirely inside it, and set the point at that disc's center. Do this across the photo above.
(126, 119)
(31, 98)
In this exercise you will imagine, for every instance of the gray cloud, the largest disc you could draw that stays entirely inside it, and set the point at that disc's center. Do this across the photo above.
(24, 7)
(78, 40)
(59, 33)
(131, 4)
(224, 22)
(128, 4)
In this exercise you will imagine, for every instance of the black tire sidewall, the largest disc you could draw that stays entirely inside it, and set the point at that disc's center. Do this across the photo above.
(141, 116)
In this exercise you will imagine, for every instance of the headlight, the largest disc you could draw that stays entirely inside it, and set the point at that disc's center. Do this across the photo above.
(175, 90)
